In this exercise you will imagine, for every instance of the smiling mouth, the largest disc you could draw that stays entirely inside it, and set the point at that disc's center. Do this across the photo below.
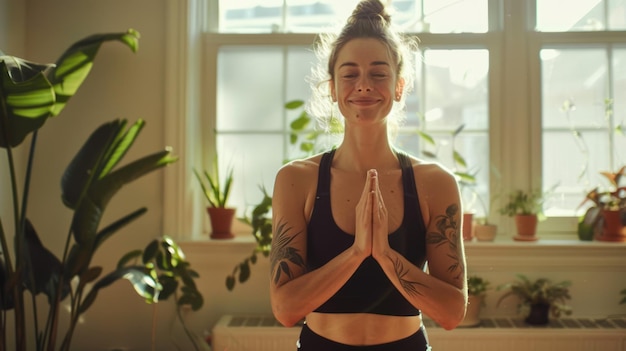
(364, 101)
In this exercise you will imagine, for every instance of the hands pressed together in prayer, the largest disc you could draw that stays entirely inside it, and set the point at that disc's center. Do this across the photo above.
(371, 235)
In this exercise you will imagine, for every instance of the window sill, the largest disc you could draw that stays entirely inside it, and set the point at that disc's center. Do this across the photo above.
(501, 254)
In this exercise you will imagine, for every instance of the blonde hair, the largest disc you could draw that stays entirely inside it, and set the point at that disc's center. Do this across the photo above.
(370, 19)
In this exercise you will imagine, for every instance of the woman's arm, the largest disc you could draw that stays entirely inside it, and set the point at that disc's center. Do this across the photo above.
(294, 292)
(442, 293)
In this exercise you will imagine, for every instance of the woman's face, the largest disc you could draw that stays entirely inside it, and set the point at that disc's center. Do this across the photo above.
(365, 80)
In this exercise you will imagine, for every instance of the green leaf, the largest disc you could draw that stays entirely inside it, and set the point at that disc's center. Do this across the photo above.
(244, 271)
(112, 228)
(195, 300)
(29, 99)
(294, 104)
(42, 265)
(79, 173)
(120, 147)
(150, 252)
(90, 275)
(132, 255)
(169, 284)
(78, 260)
(426, 137)
(458, 130)
(144, 285)
(230, 282)
(459, 159)
(88, 214)
(300, 123)
(34, 92)
(429, 154)
(75, 64)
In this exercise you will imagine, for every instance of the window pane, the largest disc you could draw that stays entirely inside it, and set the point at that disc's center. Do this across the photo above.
(251, 85)
(254, 82)
(313, 16)
(455, 91)
(453, 16)
(255, 159)
(580, 15)
(579, 138)
(619, 106)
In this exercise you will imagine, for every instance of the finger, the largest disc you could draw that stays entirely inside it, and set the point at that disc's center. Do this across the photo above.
(368, 185)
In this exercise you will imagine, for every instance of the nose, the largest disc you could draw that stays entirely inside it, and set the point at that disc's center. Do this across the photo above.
(364, 84)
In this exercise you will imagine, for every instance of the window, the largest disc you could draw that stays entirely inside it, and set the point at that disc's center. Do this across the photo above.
(583, 76)
(537, 86)
(451, 91)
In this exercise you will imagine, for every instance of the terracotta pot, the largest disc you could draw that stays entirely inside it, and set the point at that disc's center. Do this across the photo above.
(539, 314)
(472, 315)
(613, 228)
(485, 232)
(526, 227)
(221, 222)
(468, 226)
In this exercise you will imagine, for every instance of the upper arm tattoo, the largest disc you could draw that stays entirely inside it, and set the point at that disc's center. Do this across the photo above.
(448, 233)
(282, 252)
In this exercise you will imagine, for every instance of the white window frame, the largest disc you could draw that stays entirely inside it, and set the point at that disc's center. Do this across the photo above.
(514, 97)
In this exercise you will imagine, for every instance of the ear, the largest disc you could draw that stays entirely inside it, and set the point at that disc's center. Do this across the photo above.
(333, 93)
(399, 89)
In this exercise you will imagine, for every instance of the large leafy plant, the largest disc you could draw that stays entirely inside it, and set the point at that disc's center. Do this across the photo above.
(30, 94)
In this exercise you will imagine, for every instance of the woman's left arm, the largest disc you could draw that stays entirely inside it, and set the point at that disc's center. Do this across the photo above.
(442, 292)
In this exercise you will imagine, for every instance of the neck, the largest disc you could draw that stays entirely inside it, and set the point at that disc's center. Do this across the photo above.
(360, 152)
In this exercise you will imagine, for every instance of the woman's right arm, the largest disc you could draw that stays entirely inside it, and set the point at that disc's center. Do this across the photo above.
(294, 292)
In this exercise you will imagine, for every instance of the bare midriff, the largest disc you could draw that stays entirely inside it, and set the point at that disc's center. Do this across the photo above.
(362, 328)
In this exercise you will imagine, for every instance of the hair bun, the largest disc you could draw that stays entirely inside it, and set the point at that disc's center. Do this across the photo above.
(370, 10)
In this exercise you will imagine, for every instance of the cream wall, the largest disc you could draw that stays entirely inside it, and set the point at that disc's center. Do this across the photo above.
(127, 85)
(121, 85)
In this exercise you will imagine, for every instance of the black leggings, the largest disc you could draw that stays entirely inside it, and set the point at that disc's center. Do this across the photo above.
(310, 341)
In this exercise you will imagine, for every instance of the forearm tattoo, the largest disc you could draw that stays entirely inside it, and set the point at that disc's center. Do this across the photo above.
(411, 287)
(281, 253)
(448, 233)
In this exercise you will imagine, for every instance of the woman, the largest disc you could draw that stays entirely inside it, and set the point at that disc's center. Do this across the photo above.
(351, 235)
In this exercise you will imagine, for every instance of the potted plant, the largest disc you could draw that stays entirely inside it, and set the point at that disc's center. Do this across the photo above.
(476, 290)
(527, 209)
(606, 219)
(540, 298)
(261, 223)
(31, 93)
(216, 192)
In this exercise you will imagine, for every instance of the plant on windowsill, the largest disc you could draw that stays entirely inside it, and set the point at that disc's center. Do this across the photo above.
(527, 209)
(606, 220)
(217, 191)
(30, 94)
(538, 299)
(476, 290)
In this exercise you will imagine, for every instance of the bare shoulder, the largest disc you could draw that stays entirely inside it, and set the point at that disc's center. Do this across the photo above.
(299, 170)
(431, 173)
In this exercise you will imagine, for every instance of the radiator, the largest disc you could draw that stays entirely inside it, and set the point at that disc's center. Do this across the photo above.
(264, 333)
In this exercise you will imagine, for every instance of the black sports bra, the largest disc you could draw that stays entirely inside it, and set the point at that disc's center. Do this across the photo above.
(368, 290)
